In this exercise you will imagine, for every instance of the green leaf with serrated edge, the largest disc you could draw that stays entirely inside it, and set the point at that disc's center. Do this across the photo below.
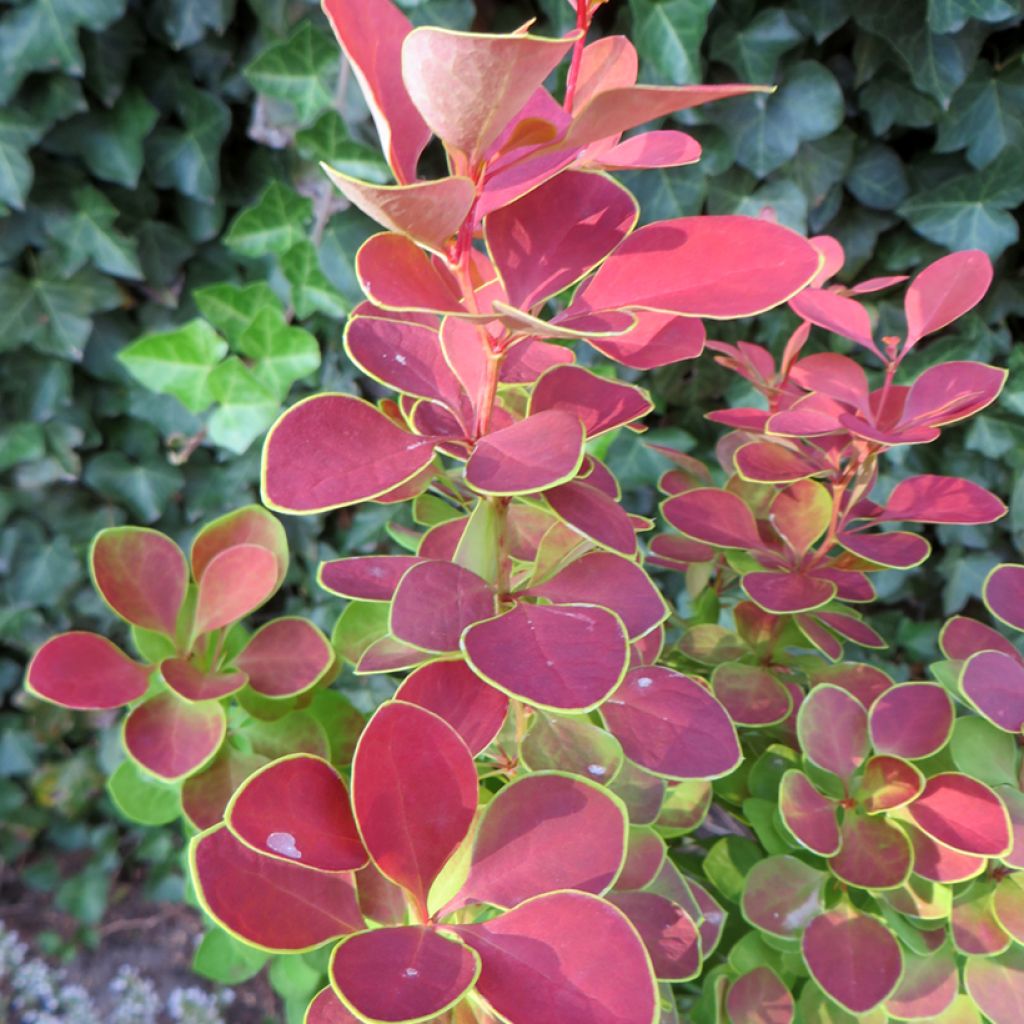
(86, 232)
(984, 752)
(301, 70)
(273, 225)
(222, 958)
(768, 130)
(178, 362)
(668, 35)
(246, 407)
(142, 798)
(312, 292)
(328, 139)
(232, 308)
(282, 354)
(753, 49)
(986, 115)
(952, 15)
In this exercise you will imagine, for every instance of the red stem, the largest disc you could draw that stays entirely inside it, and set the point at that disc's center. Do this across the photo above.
(583, 16)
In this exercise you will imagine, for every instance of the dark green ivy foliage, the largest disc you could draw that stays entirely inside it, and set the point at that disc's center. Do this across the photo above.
(174, 267)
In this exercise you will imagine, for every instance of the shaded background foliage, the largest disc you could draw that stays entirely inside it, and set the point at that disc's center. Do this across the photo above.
(159, 181)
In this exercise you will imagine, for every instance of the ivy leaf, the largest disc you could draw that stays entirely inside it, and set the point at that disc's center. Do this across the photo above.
(328, 139)
(664, 193)
(276, 223)
(952, 15)
(753, 50)
(970, 211)
(18, 131)
(281, 354)
(21, 442)
(888, 100)
(668, 36)
(986, 115)
(824, 17)
(877, 179)
(145, 488)
(186, 22)
(188, 159)
(311, 291)
(768, 130)
(246, 407)
(231, 308)
(177, 362)
(42, 35)
(86, 232)
(301, 70)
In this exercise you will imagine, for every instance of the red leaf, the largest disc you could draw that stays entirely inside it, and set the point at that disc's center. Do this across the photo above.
(782, 895)
(538, 255)
(865, 682)
(534, 454)
(286, 657)
(85, 671)
(964, 814)
(365, 577)
(396, 274)
(944, 291)
(713, 517)
(611, 582)
(645, 855)
(911, 720)
(897, 550)
(371, 33)
(333, 450)
(563, 957)
(833, 730)
(297, 809)
(141, 574)
(994, 683)
(721, 267)
(810, 816)
(939, 863)
(1004, 594)
(236, 582)
(528, 359)
(853, 957)
(252, 524)
(759, 997)
(928, 986)
(600, 403)
(327, 1008)
(563, 657)
(452, 690)
(649, 150)
(446, 73)
(544, 832)
(171, 737)
(887, 783)
(875, 854)
(961, 637)
(656, 339)
(751, 694)
(836, 313)
(784, 593)
(204, 796)
(193, 683)
(268, 902)
(996, 985)
(951, 392)
(669, 933)
(641, 792)
(594, 515)
(429, 212)
(764, 462)
(402, 974)
(671, 725)
(436, 602)
(834, 376)
(414, 791)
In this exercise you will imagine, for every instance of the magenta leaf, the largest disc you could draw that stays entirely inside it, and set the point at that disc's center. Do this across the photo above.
(671, 725)
(332, 450)
(759, 997)
(562, 657)
(785, 593)
(667, 930)
(996, 985)
(566, 956)
(853, 957)
(911, 720)
(452, 690)
(874, 855)
(888, 783)
(656, 339)
(188, 680)
(942, 499)
(297, 809)
(403, 974)
(939, 863)
(85, 671)
(285, 657)
(171, 737)
(234, 583)
(713, 517)
(436, 602)
(1004, 594)
(973, 924)
(600, 403)
(897, 549)
(944, 291)
(994, 683)
(268, 902)
(765, 462)
(928, 986)
(782, 895)
(964, 814)
(365, 577)
(950, 392)
(750, 694)
(327, 1008)
(594, 515)
(141, 574)
(961, 637)
(809, 816)
(836, 313)
(645, 855)
(414, 792)
(832, 727)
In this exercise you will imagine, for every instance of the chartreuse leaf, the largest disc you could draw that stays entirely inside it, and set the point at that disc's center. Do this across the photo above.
(232, 308)
(301, 70)
(282, 354)
(222, 958)
(668, 36)
(178, 362)
(140, 797)
(246, 407)
(274, 224)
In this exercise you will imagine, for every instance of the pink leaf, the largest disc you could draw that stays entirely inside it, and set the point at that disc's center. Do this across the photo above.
(808, 815)
(782, 895)
(912, 720)
(656, 339)
(561, 957)
(751, 694)
(951, 392)
(600, 403)
(188, 680)
(594, 515)
(944, 291)
(436, 602)
(994, 683)
(171, 737)
(327, 1008)
(85, 671)
(285, 657)
(334, 450)
(897, 549)
(667, 930)
(648, 150)
(1004, 594)
(764, 462)
(875, 853)
(268, 902)
(235, 583)
(204, 796)
(414, 792)
(832, 728)
(396, 274)
(365, 577)
(928, 986)
(759, 997)
(887, 783)
(713, 517)
(961, 637)
(996, 985)
(939, 863)
(252, 524)
(564, 657)
(836, 313)
(671, 725)
(785, 593)
(964, 814)
(941, 499)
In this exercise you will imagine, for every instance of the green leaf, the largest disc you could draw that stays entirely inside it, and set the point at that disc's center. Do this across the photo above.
(42, 35)
(145, 488)
(328, 139)
(178, 362)
(753, 49)
(86, 233)
(276, 223)
(877, 179)
(986, 115)
(18, 131)
(187, 159)
(984, 752)
(311, 291)
(186, 22)
(21, 442)
(281, 354)
(141, 797)
(888, 100)
(232, 308)
(246, 407)
(768, 130)
(224, 959)
(824, 17)
(952, 15)
(971, 210)
(668, 35)
(300, 70)
(667, 192)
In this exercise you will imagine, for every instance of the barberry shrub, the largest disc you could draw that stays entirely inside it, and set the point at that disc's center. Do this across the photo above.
(579, 805)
